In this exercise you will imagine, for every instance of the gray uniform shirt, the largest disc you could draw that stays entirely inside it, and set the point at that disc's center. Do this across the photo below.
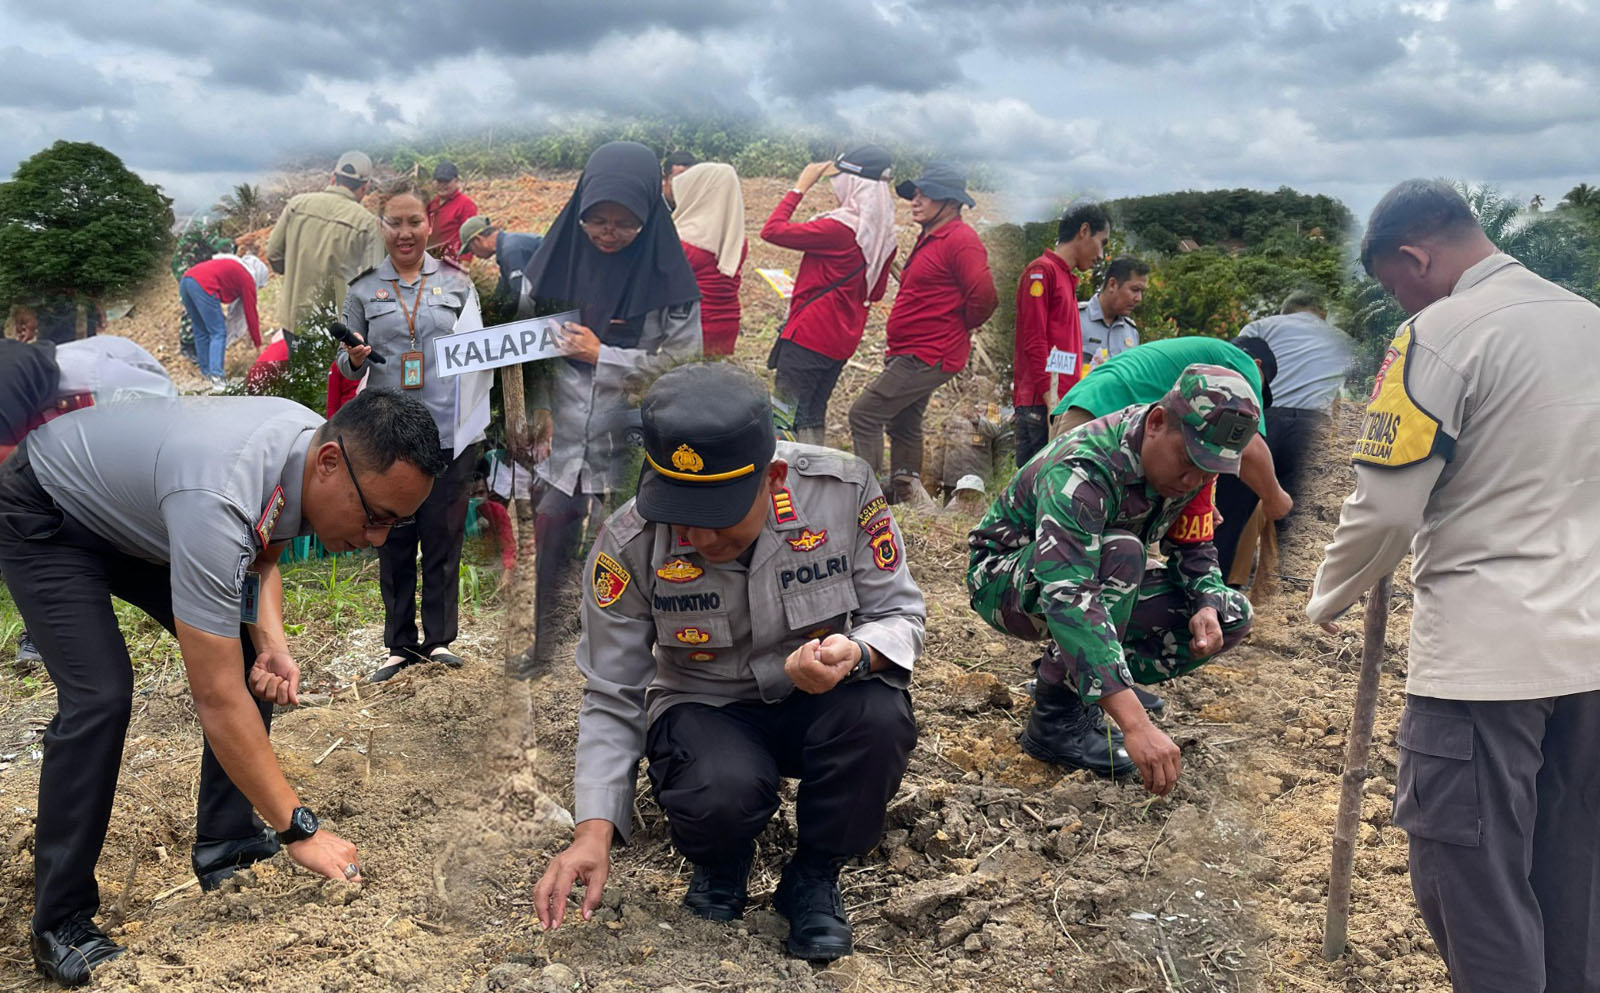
(1313, 358)
(1101, 338)
(1480, 441)
(661, 626)
(591, 404)
(373, 309)
(185, 482)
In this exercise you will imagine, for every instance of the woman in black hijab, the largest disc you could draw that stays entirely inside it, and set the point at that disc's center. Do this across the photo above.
(614, 256)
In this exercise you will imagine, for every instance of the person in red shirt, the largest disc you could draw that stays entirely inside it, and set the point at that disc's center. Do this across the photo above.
(1048, 332)
(448, 209)
(946, 292)
(710, 220)
(204, 289)
(844, 269)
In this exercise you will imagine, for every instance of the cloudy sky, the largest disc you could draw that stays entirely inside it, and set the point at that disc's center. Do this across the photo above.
(1064, 98)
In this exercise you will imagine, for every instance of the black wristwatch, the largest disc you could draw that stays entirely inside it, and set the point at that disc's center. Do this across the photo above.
(863, 667)
(302, 825)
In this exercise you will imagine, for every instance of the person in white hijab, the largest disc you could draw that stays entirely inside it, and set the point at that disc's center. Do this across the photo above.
(710, 222)
(844, 268)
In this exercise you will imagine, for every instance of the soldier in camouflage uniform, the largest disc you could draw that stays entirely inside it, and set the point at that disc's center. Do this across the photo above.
(1061, 555)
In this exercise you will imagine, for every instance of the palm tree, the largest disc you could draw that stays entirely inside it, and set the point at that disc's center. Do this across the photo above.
(1582, 197)
(242, 210)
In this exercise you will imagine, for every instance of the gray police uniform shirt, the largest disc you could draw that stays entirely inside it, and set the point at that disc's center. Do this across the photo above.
(1313, 358)
(373, 309)
(1478, 456)
(183, 482)
(1101, 338)
(593, 405)
(661, 626)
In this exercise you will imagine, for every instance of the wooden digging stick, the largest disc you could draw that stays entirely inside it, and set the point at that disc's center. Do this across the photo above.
(1357, 751)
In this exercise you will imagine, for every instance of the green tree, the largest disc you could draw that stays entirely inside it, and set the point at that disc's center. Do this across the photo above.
(75, 221)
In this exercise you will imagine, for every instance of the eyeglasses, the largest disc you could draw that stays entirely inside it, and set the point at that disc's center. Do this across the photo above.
(627, 229)
(372, 522)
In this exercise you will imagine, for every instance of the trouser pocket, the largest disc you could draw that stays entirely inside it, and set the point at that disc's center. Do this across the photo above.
(1436, 789)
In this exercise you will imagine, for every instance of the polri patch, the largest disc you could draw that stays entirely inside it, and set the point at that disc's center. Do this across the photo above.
(885, 552)
(783, 507)
(808, 540)
(610, 580)
(874, 507)
(269, 517)
(692, 636)
(680, 571)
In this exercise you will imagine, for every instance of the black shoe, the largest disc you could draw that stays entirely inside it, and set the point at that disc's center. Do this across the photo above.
(215, 861)
(1153, 705)
(439, 655)
(808, 895)
(70, 950)
(527, 663)
(392, 666)
(27, 651)
(719, 892)
(1064, 731)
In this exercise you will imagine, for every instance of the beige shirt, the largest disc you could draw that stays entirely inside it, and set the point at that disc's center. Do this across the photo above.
(661, 626)
(321, 242)
(1489, 411)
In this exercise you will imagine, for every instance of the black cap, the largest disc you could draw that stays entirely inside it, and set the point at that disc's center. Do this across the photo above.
(939, 181)
(866, 161)
(1258, 349)
(708, 439)
(445, 171)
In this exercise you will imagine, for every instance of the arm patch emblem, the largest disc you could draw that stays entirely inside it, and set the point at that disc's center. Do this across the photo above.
(1396, 431)
(610, 580)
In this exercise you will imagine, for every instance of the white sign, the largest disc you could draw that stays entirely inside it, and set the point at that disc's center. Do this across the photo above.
(504, 344)
(1064, 363)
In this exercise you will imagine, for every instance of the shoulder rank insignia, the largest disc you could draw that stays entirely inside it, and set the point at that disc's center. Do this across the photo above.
(680, 571)
(692, 636)
(885, 553)
(686, 459)
(783, 507)
(808, 540)
(269, 517)
(610, 580)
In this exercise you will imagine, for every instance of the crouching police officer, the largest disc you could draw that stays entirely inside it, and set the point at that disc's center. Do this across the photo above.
(1061, 555)
(181, 507)
(744, 571)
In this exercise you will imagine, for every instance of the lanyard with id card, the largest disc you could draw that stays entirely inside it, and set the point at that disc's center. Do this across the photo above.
(411, 362)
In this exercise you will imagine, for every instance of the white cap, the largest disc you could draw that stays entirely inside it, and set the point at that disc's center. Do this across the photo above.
(971, 481)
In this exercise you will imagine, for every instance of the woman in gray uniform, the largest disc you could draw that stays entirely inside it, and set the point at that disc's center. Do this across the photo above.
(400, 308)
(614, 256)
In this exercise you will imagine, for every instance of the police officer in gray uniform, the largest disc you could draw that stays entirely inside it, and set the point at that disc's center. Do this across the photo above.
(181, 508)
(1108, 329)
(748, 616)
(400, 307)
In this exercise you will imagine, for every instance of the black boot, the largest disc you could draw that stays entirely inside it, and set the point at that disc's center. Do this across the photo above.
(215, 861)
(808, 895)
(68, 952)
(1064, 731)
(719, 892)
(1153, 705)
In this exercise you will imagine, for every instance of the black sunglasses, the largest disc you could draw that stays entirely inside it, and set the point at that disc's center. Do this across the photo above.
(372, 522)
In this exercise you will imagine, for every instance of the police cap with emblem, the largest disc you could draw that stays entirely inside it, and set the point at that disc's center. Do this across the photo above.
(1219, 413)
(708, 439)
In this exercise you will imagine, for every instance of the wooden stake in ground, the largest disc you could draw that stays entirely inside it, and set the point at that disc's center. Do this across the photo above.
(1336, 929)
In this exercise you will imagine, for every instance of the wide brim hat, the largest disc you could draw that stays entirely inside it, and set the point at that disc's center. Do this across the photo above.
(939, 181)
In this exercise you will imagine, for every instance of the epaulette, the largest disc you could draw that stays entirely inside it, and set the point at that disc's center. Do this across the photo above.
(814, 460)
(452, 263)
(625, 524)
(369, 270)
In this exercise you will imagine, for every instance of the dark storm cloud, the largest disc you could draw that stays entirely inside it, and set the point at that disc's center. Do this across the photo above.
(51, 82)
(818, 51)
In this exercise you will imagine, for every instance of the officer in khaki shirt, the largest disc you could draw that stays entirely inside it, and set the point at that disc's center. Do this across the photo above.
(181, 508)
(323, 239)
(1478, 455)
(748, 616)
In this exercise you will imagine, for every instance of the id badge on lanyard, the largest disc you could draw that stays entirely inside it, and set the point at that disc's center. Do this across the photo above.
(411, 362)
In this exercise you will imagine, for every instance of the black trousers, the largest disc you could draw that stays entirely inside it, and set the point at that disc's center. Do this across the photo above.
(557, 528)
(441, 525)
(895, 401)
(1292, 434)
(62, 577)
(715, 770)
(1502, 802)
(1032, 431)
(806, 379)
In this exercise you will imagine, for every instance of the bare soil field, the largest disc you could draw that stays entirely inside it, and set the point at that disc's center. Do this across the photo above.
(997, 872)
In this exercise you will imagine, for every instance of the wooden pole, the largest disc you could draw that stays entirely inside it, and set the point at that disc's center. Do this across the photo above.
(1337, 927)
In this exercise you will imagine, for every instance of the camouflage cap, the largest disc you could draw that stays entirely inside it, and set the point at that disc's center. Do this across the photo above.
(1219, 412)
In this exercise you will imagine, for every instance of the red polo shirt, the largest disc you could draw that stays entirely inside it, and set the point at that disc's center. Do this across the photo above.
(447, 216)
(1047, 317)
(945, 291)
(228, 281)
(719, 299)
(832, 324)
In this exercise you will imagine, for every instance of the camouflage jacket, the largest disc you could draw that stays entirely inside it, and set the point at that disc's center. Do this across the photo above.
(1081, 485)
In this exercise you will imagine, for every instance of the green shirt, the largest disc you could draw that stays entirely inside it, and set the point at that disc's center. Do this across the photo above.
(1145, 373)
